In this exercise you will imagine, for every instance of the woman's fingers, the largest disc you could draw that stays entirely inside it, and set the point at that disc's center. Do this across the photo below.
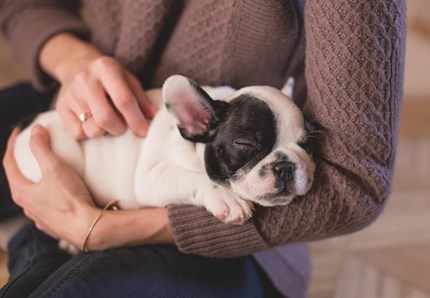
(40, 145)
(148, 109)
(112, 95)
(69, 105)
(123, 98)
(72, 124)
(104, 117)
(17, 181)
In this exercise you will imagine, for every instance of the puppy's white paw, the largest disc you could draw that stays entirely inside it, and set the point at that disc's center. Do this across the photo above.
(227, 206)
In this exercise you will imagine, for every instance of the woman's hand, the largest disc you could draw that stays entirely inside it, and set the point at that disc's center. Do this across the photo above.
(60, 204)
(98, 84)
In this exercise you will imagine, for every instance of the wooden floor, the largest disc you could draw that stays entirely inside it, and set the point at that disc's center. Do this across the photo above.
(391, 258)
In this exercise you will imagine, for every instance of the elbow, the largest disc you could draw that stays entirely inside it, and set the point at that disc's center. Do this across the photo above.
(365, 209)
(358, 198)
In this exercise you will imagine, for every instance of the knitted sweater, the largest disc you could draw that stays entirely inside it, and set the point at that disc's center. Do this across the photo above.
(354, 53)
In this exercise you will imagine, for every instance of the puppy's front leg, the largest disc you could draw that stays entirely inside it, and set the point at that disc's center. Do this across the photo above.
(167, 183)
(223, 203)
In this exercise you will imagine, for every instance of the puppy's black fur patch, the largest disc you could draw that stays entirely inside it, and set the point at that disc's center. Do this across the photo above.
(244, 137)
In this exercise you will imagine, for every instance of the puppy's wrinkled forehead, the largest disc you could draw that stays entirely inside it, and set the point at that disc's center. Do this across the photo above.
(286, 115)
(251, 115)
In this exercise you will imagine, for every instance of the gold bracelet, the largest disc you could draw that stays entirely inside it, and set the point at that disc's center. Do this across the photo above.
(114, 205)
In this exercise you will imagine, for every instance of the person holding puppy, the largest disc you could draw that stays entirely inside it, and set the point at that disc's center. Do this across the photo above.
(354, 53)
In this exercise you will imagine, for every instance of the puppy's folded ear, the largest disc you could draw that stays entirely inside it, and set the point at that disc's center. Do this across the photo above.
(197, 113)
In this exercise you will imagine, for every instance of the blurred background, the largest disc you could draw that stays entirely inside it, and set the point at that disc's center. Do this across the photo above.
(391, 258)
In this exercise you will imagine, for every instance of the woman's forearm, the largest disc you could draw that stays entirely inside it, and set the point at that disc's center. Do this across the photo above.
(64, 54)
(354, 92)
(127, 228)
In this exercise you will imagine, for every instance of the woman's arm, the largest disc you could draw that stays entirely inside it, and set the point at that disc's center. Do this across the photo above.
(354, 72)
(130, 228)
(61, 205)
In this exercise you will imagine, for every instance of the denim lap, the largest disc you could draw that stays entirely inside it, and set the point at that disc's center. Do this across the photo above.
(153, 271)
(39, 269)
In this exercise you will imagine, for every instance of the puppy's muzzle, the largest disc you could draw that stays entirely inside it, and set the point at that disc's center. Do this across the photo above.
(292, 174)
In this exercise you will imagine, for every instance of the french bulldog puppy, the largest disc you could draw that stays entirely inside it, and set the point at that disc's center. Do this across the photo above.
(214, 147)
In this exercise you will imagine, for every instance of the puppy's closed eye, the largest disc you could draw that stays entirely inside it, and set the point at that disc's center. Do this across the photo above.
(245, 145)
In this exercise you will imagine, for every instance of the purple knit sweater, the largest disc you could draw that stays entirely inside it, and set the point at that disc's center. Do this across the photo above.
(354, 53)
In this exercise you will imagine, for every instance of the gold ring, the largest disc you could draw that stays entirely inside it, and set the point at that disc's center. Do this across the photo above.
(84, 116)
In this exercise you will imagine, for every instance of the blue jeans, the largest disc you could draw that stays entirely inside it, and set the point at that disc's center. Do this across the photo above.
(39, 269)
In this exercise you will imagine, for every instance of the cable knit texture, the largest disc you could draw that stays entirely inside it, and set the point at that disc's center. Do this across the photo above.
(354, 73)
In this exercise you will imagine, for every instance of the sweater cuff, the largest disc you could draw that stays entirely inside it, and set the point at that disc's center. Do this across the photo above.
(29, 32)
(196, 231)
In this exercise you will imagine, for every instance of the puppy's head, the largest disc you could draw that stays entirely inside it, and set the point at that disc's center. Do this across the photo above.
(252, 139)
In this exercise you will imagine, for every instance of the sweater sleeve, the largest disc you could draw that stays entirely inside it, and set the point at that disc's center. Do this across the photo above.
(354, 72)
(28, 24)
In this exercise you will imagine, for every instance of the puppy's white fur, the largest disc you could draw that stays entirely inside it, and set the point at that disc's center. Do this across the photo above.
(164, 168)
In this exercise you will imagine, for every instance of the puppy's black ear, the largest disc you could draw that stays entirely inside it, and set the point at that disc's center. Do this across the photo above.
(197, 113)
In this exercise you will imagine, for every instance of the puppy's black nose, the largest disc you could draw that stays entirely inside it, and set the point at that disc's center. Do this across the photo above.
(284, 169)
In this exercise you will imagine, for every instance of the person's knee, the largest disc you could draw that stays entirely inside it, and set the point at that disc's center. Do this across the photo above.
(159, 271)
